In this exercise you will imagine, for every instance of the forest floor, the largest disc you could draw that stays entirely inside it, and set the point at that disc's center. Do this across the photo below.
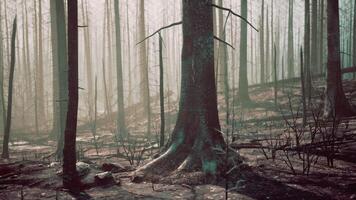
(257, 131)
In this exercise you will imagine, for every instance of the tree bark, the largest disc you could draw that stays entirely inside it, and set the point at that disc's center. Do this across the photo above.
(62, 72)
(336, 104)
(144, 84)
(262, 46)
(290, 41)
(121, 130)
(354, 40)
(196, 136)
(5, 150)
(2, 102)
(70, 177)
(161, 92)
(243, 81)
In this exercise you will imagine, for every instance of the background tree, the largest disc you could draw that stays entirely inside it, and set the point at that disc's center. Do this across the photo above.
(290, 40)
(5, 150)
(243, 81)
(120, 83)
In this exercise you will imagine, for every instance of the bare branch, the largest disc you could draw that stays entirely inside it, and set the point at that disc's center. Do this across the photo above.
(237, 15)
(222, 41)
(159, 30)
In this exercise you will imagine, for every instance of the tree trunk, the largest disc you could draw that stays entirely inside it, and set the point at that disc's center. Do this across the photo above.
(243, 81)
(354, 40)
(336, 104)
(39, 72)
(144, 84)
(5, 150)
(314, 38)
(262, 46)
(307, 50)
(321, 37)
(161, 92)
(196, 136)
(62, 73)
(2, 103)
(121, 130)
(55, 85)
(290, 41)
(70, 177)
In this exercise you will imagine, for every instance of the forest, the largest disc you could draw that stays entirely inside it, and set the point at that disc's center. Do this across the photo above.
(178, 99)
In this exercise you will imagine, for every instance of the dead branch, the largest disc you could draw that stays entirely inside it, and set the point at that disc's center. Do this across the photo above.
(237, 15)
(222, 41)
(159, 30)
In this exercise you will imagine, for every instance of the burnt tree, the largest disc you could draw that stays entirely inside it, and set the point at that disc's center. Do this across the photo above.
(70, 177)
(196, 137)
(336, 103)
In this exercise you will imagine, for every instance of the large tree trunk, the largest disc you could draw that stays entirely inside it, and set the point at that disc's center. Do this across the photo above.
(196, 135)
(5, 146)
(120, 83)
(243, 82)
(70, 177)
(336, 104)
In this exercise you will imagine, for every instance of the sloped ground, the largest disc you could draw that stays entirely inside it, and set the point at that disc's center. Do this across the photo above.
(28, 175)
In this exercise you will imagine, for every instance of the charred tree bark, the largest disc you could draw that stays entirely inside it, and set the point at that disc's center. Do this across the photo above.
(196, 136)
(336, 104)
(5, 146)
(70, 177)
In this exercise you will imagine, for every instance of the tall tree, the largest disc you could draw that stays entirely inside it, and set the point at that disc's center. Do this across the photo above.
(336, 103)
(144, 84)
(262, 45)
(161, 91)
(70, 177)
(88, 60)
(354, 40)
(59, 20)
(39, 68)
(55, 71)
(243, 81)
(321, 37)
(307, 49)
(314, 37)
(2, 102)
(290, 40)
(196, 137)
(120, 83)
(5, 146)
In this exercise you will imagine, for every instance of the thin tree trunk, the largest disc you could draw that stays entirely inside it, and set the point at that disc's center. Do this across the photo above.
(5, 150)
(307, 50)
(70, 177)
(314, 38)
(161, 92)
(290, 41)
(244, 97)
(2, 100)
(40, 76)
(354, 40)
(262, 46)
